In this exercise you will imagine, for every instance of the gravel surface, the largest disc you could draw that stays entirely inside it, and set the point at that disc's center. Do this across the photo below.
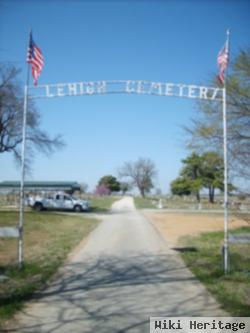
(123, 274)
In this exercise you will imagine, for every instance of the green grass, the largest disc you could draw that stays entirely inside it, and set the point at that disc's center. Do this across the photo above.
(102, 204)
(48, 238)
(142, 203)
(231, 290)
(172, 203)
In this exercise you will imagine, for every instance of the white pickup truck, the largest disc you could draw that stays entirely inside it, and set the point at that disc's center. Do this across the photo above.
(59, 201)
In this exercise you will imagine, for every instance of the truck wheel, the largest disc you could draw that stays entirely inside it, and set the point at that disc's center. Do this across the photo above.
(78, 208)
(38, 206)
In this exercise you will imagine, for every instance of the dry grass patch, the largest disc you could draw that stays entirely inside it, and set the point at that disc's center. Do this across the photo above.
(176, 225)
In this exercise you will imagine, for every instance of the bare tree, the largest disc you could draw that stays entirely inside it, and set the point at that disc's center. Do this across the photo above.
(11, 119)
(206, 128)
(141, 173)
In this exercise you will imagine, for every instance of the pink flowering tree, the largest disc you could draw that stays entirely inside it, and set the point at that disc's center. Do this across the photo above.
(102, 190)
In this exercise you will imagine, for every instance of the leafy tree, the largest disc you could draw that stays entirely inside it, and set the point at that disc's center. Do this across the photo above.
(212, 173)
(206, 128)
(190, 180)
(192, 171)
(110, 182)
(141, 173)
(11, 120)
(200, 171)
(181, 186)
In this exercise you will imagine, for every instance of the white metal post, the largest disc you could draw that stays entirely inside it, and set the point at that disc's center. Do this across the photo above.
(224, 107)
(22, 198)
(225, 245)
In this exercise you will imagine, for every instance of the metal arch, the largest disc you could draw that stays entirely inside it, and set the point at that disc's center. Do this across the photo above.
(143, 87)
(129, 87)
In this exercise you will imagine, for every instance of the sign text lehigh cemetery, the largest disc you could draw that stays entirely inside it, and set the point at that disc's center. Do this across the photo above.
(129, 87)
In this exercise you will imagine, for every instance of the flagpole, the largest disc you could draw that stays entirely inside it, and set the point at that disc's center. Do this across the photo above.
(225, 245)
(22, 197)
(224, 106)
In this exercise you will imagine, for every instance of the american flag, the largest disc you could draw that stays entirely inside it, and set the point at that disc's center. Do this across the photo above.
(35, 59)
(222, 61)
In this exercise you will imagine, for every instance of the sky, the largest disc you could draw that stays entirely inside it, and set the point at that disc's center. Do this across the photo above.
(166, 41)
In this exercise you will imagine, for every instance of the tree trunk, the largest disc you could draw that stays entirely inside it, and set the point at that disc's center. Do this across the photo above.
(211, 194)
(142, 192)
(198, 197)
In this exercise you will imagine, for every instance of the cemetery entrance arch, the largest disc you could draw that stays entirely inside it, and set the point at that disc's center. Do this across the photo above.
(166, 89)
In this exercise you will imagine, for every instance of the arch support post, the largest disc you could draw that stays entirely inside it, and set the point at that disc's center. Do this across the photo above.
(225, 243)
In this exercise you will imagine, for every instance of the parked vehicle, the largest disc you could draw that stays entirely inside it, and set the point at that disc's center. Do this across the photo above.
(58, 201)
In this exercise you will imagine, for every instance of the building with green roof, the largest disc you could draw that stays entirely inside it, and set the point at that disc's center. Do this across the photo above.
(14, 186)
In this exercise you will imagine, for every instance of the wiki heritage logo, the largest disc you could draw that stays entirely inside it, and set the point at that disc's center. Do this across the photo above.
(200, 324)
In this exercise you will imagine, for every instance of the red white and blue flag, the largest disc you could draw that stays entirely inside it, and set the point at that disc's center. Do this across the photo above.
(35, 59)
(222, 61)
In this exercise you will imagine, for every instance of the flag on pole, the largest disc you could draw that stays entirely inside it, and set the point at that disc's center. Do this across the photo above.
(35, 59)
(223, 60)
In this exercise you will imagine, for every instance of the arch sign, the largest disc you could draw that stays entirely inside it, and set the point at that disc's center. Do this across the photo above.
(128, 87)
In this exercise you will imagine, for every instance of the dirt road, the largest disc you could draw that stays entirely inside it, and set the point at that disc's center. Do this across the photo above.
(124, 274)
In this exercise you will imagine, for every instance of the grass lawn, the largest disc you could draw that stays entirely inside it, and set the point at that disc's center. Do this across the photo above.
(102, 204)
(141, 203)
(205, 261)
(48, 238)
(175, 202)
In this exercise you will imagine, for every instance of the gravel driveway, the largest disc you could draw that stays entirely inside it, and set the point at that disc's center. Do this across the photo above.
(124, 274)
